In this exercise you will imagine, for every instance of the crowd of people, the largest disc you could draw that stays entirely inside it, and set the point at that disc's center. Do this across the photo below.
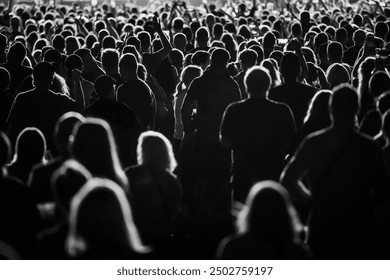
(238, 130)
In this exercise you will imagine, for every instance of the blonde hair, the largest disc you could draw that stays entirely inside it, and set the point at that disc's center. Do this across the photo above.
(154, 150)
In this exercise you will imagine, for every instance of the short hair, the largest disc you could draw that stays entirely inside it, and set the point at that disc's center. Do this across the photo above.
(379, 83)
(220, 57)
(202, 35)
(43, 74)
(335, 50)
(108, 42)
(189, 73)
(289, 65)
(200, 57)
(30, 146)
(17, 52)
(59, 42)
(110, 58)
(344, 102)
(257, 81)
(104, 86)
(248, 58)
(144, 38)
(128, 63)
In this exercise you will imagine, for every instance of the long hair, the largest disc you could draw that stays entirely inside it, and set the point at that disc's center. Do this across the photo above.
(269, 214)
(30, 147)
(93, 145)
(101, 221)
(154, 150)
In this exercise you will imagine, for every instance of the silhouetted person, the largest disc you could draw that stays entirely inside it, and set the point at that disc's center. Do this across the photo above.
(67, 180)
(247, 59)
(345, 176)
(155, 191)
(101, 224)
(268, 228)
(16, 69)
(259, 132)
(124, 124)
(93, 145)
(39, 107)
(5, 99)
(134, 92)
(292, 93)
(212, 92)
(19, 217)
(40, 176)
(30, 149)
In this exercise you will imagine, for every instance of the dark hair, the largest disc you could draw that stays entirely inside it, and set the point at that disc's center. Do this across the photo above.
(220, 57)
(248, 58)
(104, 86)
(344, 102)
(43, 74)
(290, 66)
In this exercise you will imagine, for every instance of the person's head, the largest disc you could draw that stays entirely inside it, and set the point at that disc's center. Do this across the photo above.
(66, 181)
(257, 82)
(201, 58)
(359, 37)
(290, 67)
(59, 43)
(134, 41)
(16, 53)
(108, 42)
(248, 59)
(177, 58)
(269, 64)
(337, 74)
(202, 37)
(269, 214)
(189, 74)
(217, 30)
(177, 24)
(319, 107)
(30, 147)
(296, 30)
(341, 36)
(145, 39)
(71, 45)
(105, 87)
(378, 83)
(101, 222)
(93, 145)
(180, 41)
(344, 104)
(43, 75)
(128, 66)
(335, 52)
(220, 58)
(110, 60)
(154, 150)
(381, 29)
(5, 80)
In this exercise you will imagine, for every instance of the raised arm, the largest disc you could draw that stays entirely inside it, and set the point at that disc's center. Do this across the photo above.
(166, 45)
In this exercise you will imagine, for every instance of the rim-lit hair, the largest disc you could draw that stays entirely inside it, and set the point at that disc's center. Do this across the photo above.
(154, 150)
(269, 214)
(101, 216)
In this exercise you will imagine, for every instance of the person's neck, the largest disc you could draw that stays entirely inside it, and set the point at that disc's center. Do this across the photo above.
(290, 80)
(343, 127)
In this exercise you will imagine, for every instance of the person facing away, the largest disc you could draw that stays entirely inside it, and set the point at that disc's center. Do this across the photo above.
(39, 179)
(15, 67)
(19, 216)
(212, 92)
(268, 227)
(293, 93)
(134, 92)
(39, 107)
(66, 181)
(125, 125)
(30, 150)
(93, 145)
(101, 224)
(248, 59)
(259, 132)
(155, 192)
(345, 177)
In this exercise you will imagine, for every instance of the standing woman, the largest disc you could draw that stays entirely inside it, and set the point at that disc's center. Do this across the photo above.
(268, 227)
(101, 224)
(155, 191)
(93, 145)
